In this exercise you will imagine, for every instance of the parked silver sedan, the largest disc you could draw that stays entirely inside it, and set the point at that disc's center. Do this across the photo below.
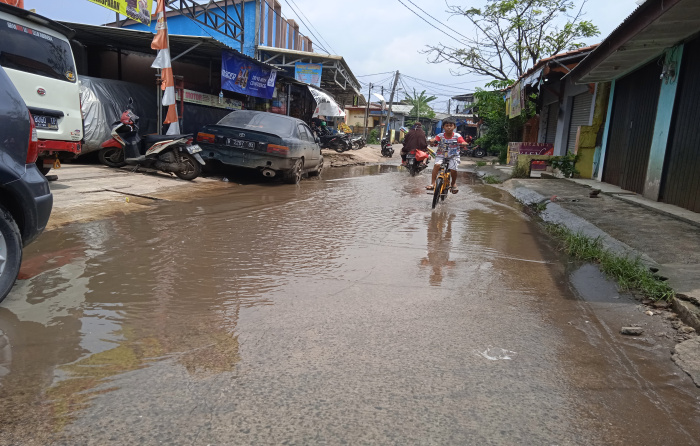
(276, 145)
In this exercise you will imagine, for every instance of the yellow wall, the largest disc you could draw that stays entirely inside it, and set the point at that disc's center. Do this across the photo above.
(589, 133)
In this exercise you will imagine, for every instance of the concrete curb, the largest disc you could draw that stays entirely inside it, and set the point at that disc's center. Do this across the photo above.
(688, 312)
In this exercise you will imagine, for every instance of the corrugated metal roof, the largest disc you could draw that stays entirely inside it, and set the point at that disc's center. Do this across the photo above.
(140, 42)
(653, 27)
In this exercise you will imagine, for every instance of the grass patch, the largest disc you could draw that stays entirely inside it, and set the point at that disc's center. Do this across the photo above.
(520, 171)
(490, 179)
(630, 273)
(480, 163)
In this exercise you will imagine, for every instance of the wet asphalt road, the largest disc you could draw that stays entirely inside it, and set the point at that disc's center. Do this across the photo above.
(341, 311)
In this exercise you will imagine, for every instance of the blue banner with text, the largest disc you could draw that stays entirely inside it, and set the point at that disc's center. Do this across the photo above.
(246, 77)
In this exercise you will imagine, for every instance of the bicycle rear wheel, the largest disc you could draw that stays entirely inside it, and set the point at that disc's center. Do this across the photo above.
(438, 190)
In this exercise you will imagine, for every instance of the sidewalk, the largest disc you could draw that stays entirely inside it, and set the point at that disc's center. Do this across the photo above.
(664, 236)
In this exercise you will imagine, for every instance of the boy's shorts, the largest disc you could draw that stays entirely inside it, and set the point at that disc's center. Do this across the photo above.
(453, 162)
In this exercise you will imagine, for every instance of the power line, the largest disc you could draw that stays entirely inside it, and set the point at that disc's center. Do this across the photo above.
(429, 23)
(444, 85)
(456, 32)
(318, 41)
(375, 74)
(312, 25)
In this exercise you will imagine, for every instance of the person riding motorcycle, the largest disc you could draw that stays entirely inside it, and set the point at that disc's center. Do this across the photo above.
(414, 140)
(450, 138)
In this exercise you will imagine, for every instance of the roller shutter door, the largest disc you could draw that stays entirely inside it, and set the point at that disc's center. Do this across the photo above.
(632, 128)
(681, 179)
(580, 115)
(552, 115)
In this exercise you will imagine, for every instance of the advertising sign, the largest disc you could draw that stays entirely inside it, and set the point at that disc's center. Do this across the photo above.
(309, 73)
(516, 104)
(529, 148)
(139, 10)
(195, 97)
(246, 77)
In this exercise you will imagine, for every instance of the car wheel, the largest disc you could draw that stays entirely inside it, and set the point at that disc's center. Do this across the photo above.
(44, 170)
(10, 252)
(192, 167)
(479, 153)
(112, 157)
(319, 168)
(293, 175)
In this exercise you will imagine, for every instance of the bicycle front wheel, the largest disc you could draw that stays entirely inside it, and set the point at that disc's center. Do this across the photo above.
(438, 190)
(446, 188)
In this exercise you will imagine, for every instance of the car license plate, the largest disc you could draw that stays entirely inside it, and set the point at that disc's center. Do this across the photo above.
(194, 148)
(46, 122)
(239, 143)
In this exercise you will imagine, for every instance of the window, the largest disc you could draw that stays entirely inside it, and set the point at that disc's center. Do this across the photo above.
(260, 121)
(32, 51)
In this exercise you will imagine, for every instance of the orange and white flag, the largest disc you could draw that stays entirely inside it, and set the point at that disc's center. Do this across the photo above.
(160, 43)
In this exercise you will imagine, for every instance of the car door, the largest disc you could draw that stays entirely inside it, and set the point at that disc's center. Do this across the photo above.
(311, 150)
(315, 147)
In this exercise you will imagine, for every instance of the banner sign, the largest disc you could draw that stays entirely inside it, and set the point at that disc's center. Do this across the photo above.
(529, 148)
(516, 100)
(246, 77)
(308, 73)
(139, 10)
(210, 100)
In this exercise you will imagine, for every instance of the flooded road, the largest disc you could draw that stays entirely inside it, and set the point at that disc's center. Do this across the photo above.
(341, 311)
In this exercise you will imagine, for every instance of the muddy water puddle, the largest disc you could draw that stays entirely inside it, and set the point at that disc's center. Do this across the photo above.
(344, 309)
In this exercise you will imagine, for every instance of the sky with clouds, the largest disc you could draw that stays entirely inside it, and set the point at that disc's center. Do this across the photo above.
(374, 36)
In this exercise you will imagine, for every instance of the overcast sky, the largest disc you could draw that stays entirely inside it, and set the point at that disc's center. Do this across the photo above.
(374, 36)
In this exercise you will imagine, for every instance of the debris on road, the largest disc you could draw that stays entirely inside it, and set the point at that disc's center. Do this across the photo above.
(631, 331)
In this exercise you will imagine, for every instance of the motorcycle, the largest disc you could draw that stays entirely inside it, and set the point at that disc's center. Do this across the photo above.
(168, 153)
(387, 150)
(357, 142)
(339, 142)
(475, 151)
(417, 161)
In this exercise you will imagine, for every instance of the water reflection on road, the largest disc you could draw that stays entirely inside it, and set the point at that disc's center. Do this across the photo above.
(343, 309)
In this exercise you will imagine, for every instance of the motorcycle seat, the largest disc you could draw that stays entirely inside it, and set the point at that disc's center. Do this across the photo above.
(150, 139)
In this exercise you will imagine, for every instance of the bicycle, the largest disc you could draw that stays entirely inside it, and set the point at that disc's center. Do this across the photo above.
(443, 181)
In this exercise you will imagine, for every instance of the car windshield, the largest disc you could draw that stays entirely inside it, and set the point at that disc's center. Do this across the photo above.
(264, 122)
(35, 52)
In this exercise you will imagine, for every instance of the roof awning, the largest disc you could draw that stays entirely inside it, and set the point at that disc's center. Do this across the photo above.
(189, 48)
(652, 28)
(336, 77)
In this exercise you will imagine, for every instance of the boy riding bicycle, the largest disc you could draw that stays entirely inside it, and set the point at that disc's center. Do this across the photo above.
(448, 141)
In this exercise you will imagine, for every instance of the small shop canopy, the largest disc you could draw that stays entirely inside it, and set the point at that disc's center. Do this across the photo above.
(325, 105)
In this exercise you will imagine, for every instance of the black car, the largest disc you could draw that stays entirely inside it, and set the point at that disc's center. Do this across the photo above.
(276, 145)
(25, 198)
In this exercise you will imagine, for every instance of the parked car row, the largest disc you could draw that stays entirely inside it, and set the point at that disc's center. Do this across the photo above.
(25, 198)
(41, 123)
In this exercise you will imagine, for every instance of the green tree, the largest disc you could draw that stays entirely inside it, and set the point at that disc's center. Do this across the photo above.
(421, 103)
(510, 36)
(491, 108)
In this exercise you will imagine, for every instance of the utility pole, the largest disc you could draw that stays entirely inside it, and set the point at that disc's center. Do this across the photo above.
(391, 100)
(449, 106)
(369, 96)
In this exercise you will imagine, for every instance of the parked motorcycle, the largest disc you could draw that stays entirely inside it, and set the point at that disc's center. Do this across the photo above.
(473, 150)
(417, 161)
(340, 142)
(357, 142)
(387, 150)
(168, 153)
